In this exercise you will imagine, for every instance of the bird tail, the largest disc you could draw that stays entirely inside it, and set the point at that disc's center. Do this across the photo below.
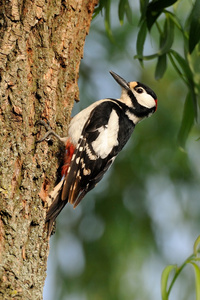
(56, 205)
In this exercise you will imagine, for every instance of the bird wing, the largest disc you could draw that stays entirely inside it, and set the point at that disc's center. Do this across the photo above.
(95, 152)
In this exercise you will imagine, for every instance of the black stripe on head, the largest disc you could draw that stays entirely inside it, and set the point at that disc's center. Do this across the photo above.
(147, 89)
(139, 110)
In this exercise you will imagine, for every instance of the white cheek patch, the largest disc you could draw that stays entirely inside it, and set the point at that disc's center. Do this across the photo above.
(145, 99)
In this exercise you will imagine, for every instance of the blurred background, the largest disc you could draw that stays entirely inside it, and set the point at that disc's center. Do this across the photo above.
(145, 213)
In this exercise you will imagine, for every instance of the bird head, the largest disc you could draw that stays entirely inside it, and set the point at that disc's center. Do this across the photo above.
(138, 96)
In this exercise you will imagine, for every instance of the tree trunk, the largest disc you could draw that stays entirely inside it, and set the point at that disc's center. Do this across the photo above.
(41, 45)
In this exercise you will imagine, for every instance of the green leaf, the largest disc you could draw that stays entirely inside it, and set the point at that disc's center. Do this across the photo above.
(164, 280)
(176, 21)
(161, 66)
(155, 8)
(197, 277)
(129, 12)
(124, 7)
(157, 5)
(166, 41)
(146, 57)
(184, 66)
(194, 36)
(187, 120)
(121, 10)
(168, 36)
(197, 246)
(143, 8)
(107, 20)
(151, 18)
(188, 78)
(141, 39)
(99, 8)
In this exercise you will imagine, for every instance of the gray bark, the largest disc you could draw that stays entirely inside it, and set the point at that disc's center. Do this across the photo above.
(41, 45)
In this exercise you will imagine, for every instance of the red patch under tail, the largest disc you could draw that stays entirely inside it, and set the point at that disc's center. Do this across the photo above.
(68, 156)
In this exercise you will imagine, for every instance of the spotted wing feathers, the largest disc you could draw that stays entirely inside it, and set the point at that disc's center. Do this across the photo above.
(55, 205)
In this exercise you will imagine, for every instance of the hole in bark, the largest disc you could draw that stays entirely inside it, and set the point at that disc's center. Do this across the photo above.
(38, 96)
(50, 142)
(9, 100)
(34, 223)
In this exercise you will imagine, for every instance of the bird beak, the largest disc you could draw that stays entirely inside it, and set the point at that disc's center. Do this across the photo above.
(120, 80)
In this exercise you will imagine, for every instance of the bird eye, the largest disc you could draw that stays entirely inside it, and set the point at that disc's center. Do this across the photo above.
(139, 90)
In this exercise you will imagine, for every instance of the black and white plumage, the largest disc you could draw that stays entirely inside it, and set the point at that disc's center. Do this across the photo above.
(95, 136)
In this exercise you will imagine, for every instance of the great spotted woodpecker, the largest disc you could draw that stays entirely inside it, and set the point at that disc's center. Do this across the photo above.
(95, 136)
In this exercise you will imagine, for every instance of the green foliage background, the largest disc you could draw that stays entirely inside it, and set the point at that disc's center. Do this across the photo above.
(145, 214)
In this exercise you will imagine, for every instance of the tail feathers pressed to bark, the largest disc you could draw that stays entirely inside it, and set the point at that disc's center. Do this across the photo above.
(56, 205)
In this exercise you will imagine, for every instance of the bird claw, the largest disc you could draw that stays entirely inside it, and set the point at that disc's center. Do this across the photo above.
(49, 132)
(45, 124)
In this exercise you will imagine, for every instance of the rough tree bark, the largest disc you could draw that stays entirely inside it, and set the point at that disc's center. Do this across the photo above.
(41, 45)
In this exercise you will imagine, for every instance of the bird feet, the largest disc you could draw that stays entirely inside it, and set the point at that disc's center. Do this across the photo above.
(49, 132)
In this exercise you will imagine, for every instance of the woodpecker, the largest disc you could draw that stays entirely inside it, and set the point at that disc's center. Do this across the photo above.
(95, 137)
